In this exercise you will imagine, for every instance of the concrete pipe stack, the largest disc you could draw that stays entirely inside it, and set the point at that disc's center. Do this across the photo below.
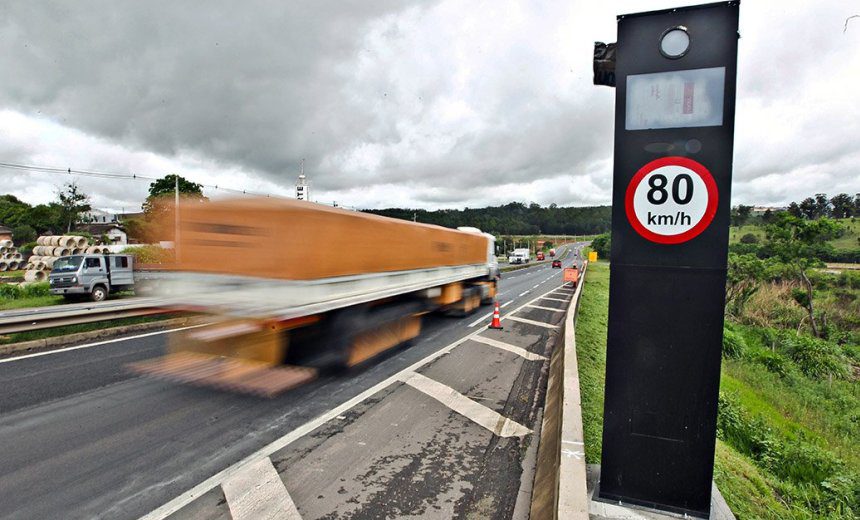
(49, 248)
(10, 258)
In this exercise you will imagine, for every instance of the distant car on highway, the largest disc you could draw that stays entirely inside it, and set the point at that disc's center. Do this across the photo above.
(540, 256)
(556, 263)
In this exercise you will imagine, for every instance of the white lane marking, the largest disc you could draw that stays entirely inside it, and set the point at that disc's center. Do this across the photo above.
(195, 492)
(485, 316)
(476, 412)
(546, 308)
(510, 348)
(553, 299)
(533, 322)
(523, 294)
(481, 319)
(256, 491)
(535, 286)
(88, 345)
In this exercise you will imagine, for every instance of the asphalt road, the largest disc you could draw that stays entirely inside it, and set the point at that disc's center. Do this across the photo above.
(82, 438)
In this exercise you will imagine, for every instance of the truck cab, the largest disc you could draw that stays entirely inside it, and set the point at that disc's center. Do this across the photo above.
(95, 276)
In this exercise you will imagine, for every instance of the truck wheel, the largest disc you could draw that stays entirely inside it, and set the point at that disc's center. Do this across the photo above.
(99, 294)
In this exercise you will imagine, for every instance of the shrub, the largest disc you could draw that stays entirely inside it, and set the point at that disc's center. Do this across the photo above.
(9, 291)
(150, 254)
(34, 290)
(816, 358)
(772, 361)
(749, 238)
(734, 344)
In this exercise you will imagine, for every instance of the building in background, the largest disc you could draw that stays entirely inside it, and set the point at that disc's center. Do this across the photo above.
(113, 231)
(98, 216)
(5, 233)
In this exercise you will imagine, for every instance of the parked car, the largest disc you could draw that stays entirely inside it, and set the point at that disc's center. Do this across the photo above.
(556, 263)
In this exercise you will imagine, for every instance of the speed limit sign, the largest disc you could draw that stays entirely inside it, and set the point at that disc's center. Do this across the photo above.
(671, 200)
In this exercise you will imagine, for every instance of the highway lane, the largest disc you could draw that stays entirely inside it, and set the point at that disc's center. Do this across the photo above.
(85, 439)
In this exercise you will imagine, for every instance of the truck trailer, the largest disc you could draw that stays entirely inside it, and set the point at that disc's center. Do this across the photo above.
(292, 288)
(520, 256)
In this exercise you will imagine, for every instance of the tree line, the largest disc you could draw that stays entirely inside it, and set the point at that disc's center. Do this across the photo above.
(515, 218)
(59, 216)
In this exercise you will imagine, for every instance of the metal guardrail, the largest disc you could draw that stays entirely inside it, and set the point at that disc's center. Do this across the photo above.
(23, 320)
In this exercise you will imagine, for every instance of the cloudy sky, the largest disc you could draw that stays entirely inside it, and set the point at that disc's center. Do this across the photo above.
(394, 103)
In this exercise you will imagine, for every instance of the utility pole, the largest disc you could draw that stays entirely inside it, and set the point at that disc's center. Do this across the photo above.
(176, 219)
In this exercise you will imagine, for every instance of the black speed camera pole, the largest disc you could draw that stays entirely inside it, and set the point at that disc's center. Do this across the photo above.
(674, 71)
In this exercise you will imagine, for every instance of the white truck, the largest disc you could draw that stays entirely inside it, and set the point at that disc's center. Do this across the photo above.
(520, 256)
(92, 275)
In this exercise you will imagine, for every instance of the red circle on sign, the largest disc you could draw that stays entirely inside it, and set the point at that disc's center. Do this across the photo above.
(704, 222)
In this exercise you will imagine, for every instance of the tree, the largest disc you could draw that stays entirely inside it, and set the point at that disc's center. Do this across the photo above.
(767, 217)
(740, 214)
(166, 186)
(794, 210)
(799, 243)
(73, 202)
(742, 280)
(842, 206)
(808, 208)
(23, 234)
(822, 206)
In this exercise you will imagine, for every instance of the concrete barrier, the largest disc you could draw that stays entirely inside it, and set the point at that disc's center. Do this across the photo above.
(560, 477)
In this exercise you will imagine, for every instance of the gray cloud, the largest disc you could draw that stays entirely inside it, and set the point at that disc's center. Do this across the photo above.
(391, 103)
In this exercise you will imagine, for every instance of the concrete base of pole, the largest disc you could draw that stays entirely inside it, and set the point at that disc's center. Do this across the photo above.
(600, 510)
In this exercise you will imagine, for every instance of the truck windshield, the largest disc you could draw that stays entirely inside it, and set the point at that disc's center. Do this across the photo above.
(67, 264)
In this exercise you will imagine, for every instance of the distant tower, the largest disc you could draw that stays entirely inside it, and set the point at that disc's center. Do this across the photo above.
(302, 188)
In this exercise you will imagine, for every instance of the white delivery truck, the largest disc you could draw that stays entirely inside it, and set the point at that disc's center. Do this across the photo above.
(520, 256)
(91, 275)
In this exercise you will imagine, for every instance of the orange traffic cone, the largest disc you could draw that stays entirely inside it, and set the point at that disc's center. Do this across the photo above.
(497, 322)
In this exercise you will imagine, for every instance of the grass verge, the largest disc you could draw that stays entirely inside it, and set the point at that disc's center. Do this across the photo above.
(591, 355)
(788, 445)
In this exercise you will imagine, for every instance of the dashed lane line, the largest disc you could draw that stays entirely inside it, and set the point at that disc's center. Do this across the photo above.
(476, 412)
(523, 293)
(533, 322)
(256, 491)
(510, 348)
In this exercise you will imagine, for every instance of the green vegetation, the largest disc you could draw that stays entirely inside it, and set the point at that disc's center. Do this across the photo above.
(84, 327)
(788, 443)
(150, 254)
(13, 296)
(514, 219)
(591, 324)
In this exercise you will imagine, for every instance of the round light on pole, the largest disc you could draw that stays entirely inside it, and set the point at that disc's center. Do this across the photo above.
(675, 42)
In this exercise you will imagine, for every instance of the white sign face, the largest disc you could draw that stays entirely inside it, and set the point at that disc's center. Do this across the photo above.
(678, 99)
(671, 200)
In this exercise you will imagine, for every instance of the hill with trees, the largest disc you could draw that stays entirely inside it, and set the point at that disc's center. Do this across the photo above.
(514, 219)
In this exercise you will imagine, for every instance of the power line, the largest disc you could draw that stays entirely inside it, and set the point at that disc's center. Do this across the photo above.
(114, 175)
(137, 177)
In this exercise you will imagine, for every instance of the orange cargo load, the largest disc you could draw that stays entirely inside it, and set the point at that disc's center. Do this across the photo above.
(298, 240)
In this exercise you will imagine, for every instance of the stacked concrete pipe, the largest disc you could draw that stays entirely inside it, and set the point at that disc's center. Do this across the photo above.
(51, 247)
(10, 258)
